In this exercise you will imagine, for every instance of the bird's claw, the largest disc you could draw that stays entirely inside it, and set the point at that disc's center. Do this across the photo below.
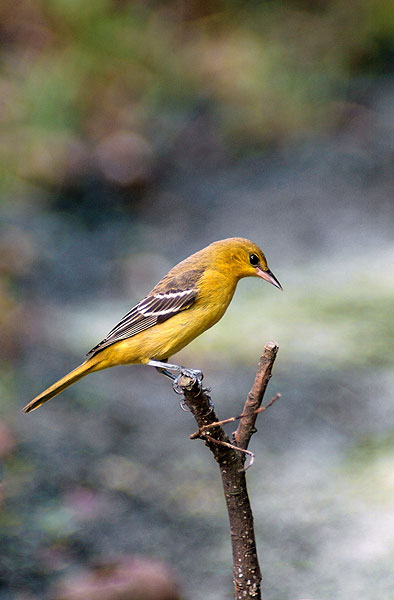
(177, 389)
(184, 406)
(208, 397)
(195, 374)
(205, 391)
(186, 385)
(186, 379)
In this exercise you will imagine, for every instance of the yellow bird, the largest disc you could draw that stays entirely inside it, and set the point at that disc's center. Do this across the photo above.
(191, 298)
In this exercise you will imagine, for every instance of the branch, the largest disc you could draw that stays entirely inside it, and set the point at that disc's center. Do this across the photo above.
(246, 570)
(246, 427)
(200, 432)
(205, 436)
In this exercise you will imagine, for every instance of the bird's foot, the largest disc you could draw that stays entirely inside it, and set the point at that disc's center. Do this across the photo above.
(202, 390)
(186, 379)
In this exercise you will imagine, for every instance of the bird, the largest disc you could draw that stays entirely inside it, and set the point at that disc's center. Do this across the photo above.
(191, 298)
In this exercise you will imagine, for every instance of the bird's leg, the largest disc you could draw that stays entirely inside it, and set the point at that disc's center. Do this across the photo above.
(163, 367)
(166, 368)
(165, 372)
(195, 375)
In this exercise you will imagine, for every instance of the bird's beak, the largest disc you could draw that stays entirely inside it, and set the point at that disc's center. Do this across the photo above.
(268, 276)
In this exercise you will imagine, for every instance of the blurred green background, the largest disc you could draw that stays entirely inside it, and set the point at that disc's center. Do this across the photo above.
(132, 134)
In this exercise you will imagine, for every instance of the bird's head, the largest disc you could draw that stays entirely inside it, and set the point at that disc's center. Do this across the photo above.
(245, 259)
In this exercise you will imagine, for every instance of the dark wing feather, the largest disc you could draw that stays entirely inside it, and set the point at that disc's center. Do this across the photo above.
(155, 308)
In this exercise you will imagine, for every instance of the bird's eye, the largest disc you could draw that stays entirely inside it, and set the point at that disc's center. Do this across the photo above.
(254, 260)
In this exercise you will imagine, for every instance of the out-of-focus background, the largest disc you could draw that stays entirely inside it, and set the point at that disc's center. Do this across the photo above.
(132, 134)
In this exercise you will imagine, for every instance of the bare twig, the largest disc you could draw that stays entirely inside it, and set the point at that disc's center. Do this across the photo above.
(246, 570)
(246, 426)
(199, 432)
(205, 436)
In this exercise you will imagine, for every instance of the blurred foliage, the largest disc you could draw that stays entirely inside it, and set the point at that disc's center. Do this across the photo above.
(109, 85)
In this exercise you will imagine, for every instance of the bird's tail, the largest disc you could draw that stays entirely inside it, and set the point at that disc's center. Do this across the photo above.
(63, 383)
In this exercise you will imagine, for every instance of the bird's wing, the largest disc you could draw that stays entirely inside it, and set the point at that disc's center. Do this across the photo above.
(153, 309)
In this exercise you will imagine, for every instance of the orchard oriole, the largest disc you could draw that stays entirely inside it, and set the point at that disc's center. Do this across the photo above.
(191, 298)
